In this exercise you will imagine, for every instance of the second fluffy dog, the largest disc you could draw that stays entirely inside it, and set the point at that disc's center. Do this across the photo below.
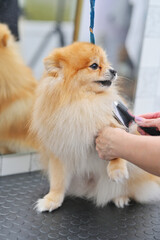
(17, 94)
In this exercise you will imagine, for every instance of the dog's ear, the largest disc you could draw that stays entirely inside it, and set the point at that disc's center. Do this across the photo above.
(4, 40)
(5, 35)
(53, 63)
(50, 65)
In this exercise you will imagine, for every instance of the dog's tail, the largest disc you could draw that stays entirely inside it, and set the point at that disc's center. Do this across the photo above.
(5, 34)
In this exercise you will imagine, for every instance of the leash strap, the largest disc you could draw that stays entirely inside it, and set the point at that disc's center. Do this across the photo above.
(92, 4)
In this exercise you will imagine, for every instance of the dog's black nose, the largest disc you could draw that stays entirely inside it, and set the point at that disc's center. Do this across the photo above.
(113, 72)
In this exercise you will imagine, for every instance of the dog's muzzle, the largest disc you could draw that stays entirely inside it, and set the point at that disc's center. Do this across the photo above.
(111, 76)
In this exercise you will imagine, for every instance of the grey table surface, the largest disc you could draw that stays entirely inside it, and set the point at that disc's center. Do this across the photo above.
(76, 219)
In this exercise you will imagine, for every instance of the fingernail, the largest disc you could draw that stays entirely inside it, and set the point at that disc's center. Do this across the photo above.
(139, 119)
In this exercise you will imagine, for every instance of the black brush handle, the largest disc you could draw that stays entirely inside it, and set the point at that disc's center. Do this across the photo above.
(151, 130)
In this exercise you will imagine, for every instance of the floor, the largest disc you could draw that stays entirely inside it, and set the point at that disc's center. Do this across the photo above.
(76, 219)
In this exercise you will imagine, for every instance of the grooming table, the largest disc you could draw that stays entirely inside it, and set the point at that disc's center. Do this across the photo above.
(76, 219)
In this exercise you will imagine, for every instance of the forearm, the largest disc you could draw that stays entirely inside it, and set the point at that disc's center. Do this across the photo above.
(143, 151)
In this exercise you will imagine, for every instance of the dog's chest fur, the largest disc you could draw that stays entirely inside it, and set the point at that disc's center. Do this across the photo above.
(74, 130)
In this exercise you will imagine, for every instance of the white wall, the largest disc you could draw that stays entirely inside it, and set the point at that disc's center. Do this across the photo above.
(148, 87)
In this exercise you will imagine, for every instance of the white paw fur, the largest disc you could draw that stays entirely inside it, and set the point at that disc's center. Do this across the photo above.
(46, 204)
(118, 175)
(120, 202)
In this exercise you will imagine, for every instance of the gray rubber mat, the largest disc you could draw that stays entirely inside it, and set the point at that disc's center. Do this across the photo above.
(76, 219)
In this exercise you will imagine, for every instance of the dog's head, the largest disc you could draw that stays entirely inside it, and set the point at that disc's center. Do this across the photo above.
(80, 67)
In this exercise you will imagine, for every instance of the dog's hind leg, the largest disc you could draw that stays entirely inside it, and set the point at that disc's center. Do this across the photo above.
(145, 189)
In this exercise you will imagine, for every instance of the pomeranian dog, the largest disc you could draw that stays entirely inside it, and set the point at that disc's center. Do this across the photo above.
(17, 93)
(74, 101)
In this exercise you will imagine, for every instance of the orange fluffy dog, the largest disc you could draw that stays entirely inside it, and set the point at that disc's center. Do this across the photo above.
(74, 101)
(17, 87)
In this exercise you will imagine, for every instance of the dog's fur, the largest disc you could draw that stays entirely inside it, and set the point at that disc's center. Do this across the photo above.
(71, 107)
(17, 93)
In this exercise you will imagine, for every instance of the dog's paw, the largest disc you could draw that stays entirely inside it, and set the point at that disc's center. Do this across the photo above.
(117, 175)
(120, 202)
(48, 204)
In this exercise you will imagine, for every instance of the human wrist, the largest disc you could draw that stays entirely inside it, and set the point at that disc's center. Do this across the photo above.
(119, 141)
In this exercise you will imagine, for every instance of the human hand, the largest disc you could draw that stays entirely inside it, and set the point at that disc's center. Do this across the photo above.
(148, 120)
(107, 142)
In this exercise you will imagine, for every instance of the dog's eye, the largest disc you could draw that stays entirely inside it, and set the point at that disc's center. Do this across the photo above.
(94, 66)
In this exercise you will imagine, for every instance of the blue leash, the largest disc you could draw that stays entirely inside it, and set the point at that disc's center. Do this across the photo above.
(92, 4)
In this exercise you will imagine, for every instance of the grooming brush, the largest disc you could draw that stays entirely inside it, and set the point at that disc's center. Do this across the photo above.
(125, 118)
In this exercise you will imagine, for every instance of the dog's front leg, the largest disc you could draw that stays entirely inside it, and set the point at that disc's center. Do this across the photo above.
(57, 179)
(117, 170)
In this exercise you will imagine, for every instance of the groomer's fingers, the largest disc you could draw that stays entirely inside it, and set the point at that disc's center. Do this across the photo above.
(100, 152)
(150, 123)
(150, 115)
(147, 123)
